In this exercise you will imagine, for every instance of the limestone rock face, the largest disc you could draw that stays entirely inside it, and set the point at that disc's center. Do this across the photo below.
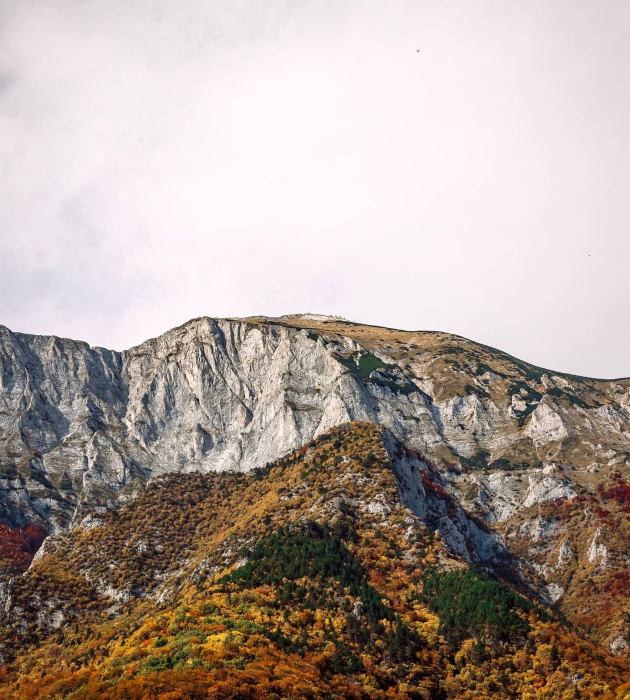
(83, 429)
(546, 424)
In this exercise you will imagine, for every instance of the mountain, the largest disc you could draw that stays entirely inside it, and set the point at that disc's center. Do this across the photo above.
(520, 474)
(308, 578)
(84, 426)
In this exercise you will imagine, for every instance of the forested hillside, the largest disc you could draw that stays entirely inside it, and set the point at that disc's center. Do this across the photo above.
(307, 578)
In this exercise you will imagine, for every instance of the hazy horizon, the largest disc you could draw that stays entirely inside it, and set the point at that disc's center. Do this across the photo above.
(447, 166)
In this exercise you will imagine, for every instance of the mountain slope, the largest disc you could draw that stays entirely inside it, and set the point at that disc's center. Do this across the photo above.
(308, 578)
(540, 460)
(82, 426)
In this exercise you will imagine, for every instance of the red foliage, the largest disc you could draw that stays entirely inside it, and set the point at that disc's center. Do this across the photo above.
(412, 452)
(18, 545)
(620, 494)
(436, 489)
(564, 508)
(618, 583)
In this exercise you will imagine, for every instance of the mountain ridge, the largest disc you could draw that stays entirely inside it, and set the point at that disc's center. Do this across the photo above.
(286, 318)
(541, 459)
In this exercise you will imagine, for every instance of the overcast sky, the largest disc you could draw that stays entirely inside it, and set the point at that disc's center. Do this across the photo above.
(438, 165)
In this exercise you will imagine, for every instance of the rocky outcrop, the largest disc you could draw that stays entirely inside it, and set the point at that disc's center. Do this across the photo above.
(82, 429)
(421, 491)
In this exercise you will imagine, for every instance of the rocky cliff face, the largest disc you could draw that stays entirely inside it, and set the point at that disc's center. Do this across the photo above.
(83, 429)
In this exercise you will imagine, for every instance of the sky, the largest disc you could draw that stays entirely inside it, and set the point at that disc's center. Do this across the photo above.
(425, 165)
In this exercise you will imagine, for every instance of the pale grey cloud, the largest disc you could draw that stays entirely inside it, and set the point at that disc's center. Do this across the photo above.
(163, 160)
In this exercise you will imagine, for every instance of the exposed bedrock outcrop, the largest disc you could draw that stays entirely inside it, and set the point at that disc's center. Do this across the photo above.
(84, 428)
